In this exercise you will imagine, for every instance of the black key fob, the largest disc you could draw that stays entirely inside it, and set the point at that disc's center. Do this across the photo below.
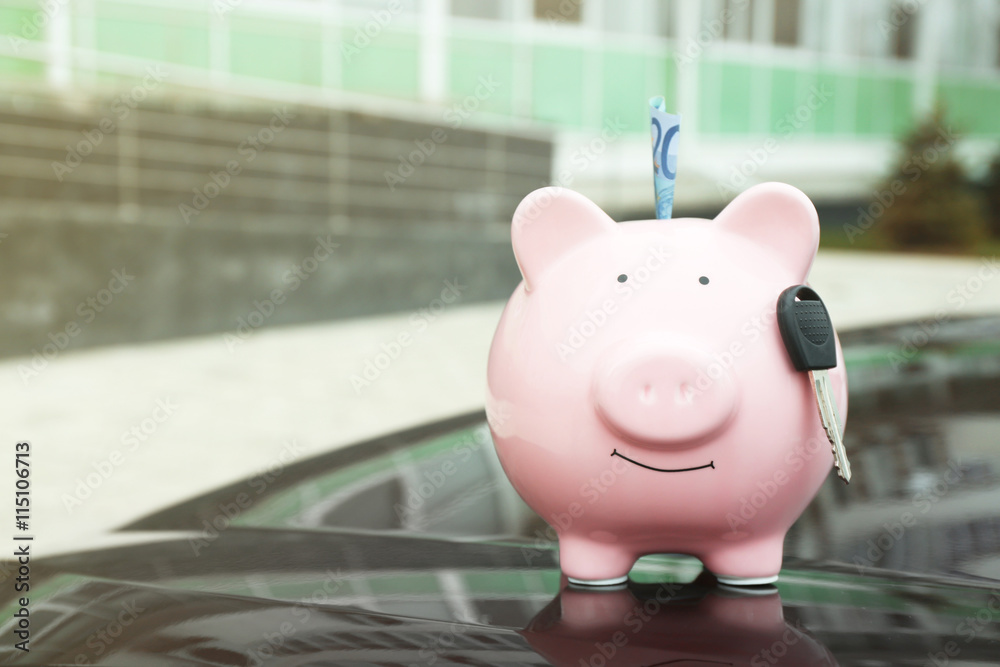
(806, 329)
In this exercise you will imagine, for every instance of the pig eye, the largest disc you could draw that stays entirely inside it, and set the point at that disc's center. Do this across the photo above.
(622, 278)
(703, 280)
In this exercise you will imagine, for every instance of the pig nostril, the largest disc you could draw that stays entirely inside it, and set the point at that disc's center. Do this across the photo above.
(685, 394)
(647, 394)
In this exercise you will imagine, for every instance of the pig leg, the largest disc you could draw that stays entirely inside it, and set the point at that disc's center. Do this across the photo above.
(594, 563)
(746, 564)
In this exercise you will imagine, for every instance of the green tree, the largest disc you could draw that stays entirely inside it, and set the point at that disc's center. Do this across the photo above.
(935, 207)
(992, 192)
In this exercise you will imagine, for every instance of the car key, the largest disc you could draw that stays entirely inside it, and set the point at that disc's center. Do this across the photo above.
(808, 336)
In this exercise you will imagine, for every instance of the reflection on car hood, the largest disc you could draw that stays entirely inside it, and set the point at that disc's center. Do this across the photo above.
(414, 549)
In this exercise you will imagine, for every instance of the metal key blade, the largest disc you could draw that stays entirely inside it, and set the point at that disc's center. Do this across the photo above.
(811, 344)
(830, 419)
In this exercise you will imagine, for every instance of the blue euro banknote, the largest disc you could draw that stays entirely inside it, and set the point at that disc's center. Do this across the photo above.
(664, 133)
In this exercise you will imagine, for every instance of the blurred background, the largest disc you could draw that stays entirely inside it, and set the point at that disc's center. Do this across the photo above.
(237, 233)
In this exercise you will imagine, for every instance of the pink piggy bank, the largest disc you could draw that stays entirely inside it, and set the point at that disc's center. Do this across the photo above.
(640, 396)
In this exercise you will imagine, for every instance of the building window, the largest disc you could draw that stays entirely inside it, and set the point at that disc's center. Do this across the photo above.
(904, 29)
(738, 20)
(479, 9)
(631, 17)
(664, 19)
(786, 22)
(559, 11)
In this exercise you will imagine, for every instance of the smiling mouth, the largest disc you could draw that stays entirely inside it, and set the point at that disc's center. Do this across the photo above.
(710, 464)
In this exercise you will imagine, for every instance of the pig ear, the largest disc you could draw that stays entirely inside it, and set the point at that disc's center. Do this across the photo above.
(779, 217)
(548, 223)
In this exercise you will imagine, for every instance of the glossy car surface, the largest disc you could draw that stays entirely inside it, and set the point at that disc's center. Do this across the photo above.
(413, 549)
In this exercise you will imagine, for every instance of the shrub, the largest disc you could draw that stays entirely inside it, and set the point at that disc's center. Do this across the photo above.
(935, 208)
(992, 194)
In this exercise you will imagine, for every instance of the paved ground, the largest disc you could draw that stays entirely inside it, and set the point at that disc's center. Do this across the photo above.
(120, 432)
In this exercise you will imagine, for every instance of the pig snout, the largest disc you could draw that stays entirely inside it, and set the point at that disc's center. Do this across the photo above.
(663, 395)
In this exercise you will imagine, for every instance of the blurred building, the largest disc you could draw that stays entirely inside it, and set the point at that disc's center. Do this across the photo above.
(214, 147)
(806, 91)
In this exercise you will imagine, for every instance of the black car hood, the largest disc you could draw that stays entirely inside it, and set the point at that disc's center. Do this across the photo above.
(373, 555)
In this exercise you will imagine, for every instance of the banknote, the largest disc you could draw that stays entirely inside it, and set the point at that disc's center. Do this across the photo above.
(664, 133)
